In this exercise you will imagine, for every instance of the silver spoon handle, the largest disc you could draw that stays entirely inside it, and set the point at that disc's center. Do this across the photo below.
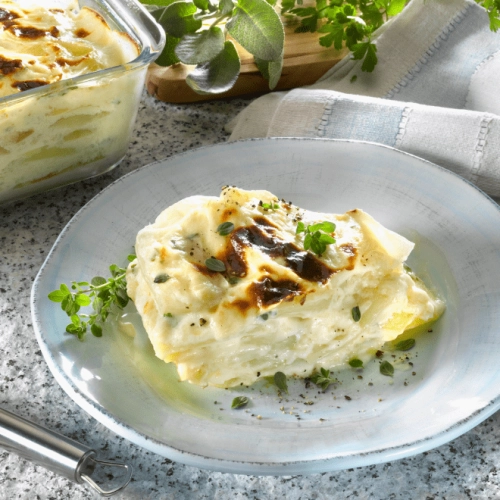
(53, 451)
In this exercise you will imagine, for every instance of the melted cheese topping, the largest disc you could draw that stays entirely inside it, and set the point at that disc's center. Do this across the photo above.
(50, 139)
(43, 45)
(275, 307)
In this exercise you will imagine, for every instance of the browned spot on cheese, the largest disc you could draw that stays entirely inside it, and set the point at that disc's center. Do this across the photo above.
(8, 66)
(242, 305)
(204, 269)
(27, 32)
(148, 306)
(226, 214)
(29, 84)
(20, 136)
(350, 250)
(267, 291)
(163, 254)
(69, 62)
(7, 15)
(261, 236)
(81, 33)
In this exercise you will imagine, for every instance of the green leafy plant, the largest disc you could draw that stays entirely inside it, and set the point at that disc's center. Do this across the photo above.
(239, 402)
(355, 363)
(280, 381)
(404, 345)
(386, 369)
(317, 236)
(202, 33)
(102, 294)
(323, 379)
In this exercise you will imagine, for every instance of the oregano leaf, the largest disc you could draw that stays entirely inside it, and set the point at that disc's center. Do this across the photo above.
(281, 382)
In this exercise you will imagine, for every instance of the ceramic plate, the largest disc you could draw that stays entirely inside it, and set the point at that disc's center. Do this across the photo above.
(452, 384)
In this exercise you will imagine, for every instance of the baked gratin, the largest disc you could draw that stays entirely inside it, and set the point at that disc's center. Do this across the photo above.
(227, 291)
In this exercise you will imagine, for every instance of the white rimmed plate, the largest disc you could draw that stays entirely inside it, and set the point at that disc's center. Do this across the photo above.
(451, 386)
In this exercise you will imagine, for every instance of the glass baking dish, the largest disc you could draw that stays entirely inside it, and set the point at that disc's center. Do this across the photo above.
(79, 127)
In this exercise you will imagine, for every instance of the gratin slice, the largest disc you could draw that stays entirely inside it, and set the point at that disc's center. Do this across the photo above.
(272, 306)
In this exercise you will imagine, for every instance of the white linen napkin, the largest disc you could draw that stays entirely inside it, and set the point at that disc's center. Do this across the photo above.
(435, 93)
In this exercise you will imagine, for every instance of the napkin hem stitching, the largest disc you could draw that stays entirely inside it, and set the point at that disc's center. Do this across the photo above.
(429, 53)
(484, 128)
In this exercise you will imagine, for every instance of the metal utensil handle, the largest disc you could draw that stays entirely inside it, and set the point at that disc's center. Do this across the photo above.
(53, 451)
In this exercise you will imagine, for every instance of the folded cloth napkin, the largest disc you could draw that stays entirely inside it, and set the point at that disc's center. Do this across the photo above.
(435, 93)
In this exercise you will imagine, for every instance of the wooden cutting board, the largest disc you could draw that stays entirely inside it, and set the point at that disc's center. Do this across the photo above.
(305, 60)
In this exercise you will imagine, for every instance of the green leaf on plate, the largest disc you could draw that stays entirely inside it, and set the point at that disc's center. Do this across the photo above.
(356, 363)
(239, 402)
(404, 345)
(386, 369)
(280, 381)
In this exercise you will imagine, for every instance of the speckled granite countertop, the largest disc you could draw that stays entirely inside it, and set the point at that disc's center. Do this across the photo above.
(468, 467)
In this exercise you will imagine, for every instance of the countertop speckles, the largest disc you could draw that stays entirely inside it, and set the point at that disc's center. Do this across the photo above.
(466, 468)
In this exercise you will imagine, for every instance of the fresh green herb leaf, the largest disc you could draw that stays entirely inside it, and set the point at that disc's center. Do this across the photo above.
(316, 237)
(395, 7)
(168, 315)
(301, 228)
(215, 265)
(386, 369)
(239, 402)
(57, 295)
(217, 75)
(404, 345)
(270, 206)
(270, 70)
(323, 379)
(225, 228)
(104, 295)
(325, 226)
(200, 47)
(257, 27)
(356, 363)
(368, 52)
(281, 382)
(161, 278)
(178, 19)
(356, 313)
(96, 330)
(198, 32)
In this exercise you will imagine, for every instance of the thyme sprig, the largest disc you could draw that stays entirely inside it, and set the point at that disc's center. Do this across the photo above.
(103, 294)
(323, 379)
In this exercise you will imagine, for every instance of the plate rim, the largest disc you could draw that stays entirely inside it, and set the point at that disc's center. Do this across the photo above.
(356, 459)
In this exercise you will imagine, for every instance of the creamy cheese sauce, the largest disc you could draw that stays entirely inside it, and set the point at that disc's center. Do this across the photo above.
(273, 306)
(46, 137)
